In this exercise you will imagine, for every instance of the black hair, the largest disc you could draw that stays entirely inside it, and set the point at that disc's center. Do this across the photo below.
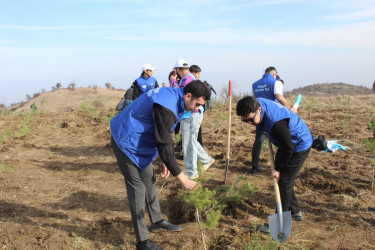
(269, 69)
(195, 69)
(247, 105)
(198, 89)
(169, 77)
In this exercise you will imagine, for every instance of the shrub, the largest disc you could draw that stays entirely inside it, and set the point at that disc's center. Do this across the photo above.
(108, 85)
(71, 86)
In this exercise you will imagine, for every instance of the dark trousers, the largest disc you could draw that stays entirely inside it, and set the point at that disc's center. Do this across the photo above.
(199, 139)
(255, 152)
(287, 180)
(141, 191)
(177, 129)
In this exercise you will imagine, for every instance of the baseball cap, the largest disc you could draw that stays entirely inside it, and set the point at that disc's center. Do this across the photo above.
(181, 63)
(148, 66)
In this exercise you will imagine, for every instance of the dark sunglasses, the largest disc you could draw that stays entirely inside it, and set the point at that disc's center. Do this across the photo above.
(251, 119)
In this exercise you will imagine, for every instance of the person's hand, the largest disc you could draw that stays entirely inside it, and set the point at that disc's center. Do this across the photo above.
(165, 172)
(173, 77)
(275, 174)
(293, 110)
(186, 183)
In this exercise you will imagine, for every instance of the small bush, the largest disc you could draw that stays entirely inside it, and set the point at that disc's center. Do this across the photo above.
(108, 85)
(72, 86)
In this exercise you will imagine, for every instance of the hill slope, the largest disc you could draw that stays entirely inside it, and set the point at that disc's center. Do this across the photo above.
(59, 100)
(330, 89)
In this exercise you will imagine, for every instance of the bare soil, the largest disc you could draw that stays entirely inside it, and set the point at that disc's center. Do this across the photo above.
(60, 187)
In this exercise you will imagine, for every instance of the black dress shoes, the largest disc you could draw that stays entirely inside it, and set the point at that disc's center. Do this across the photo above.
(163, 224)
(148, 245)
(256, 170)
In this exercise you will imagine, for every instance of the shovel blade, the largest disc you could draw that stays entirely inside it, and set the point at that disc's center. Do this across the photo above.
(280, 232)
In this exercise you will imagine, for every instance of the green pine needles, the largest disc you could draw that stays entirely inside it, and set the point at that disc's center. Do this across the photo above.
(209, 204)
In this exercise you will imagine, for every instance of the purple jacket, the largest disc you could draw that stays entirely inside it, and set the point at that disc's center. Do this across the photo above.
(184, 81)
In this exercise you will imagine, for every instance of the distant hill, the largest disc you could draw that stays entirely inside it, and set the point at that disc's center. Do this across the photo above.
(330, 89)
(60, 99)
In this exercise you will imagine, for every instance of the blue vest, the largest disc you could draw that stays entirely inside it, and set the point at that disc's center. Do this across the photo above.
(273, 112)
(133, 128)
(145, 84)
(264, 87)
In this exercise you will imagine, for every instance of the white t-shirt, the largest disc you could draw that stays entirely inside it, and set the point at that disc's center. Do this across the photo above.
(278, 89)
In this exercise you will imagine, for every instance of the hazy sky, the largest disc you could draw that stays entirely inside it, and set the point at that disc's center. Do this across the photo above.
(91, 42)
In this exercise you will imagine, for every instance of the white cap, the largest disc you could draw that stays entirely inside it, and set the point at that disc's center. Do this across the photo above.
(181, 63)
(148, 66)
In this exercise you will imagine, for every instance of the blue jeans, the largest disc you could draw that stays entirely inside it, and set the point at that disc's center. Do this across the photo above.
(192, 150)
(127, 102)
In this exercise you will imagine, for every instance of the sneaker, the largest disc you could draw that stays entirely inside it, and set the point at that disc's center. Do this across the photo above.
(147, 245)
(193, 176)
(297, 216)
(207, 165)
(255, 170)
(166, 225)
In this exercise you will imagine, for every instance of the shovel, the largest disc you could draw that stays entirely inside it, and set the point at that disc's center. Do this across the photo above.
(280, 223)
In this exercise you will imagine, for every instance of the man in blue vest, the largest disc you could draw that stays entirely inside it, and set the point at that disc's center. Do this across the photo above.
(145, 82)
(291, 136)
(140, 133)
(271, 88)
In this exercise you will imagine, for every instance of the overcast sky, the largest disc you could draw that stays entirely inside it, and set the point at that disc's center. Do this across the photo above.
(91, 42)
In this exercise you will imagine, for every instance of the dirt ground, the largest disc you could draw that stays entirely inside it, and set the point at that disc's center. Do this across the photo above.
(60, 187)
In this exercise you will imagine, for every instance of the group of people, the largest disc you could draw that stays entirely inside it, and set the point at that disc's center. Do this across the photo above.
(143, 130)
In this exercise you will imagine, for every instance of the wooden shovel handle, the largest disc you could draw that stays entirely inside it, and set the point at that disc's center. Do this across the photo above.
(229, 127)
(229, 119)
(272, 160)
